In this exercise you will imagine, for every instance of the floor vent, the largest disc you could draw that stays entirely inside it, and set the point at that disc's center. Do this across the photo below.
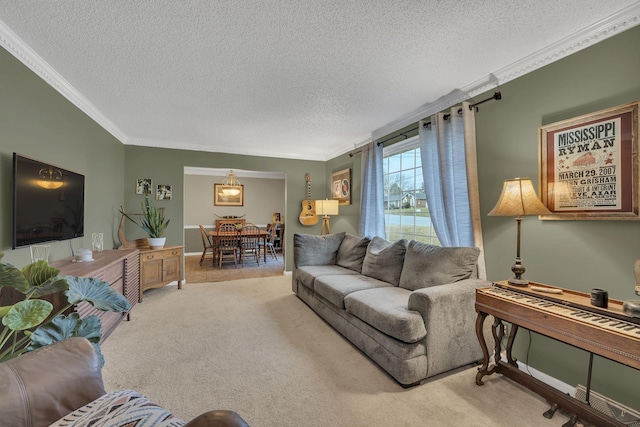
(609, 407)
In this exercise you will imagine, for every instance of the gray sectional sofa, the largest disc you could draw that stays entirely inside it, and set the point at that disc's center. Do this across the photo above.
(407, 305)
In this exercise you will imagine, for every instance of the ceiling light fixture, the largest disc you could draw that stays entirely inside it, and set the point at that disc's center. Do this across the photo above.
(231, 185)
(50, 178)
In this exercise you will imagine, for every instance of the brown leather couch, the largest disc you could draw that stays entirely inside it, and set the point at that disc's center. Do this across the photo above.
(40, 387)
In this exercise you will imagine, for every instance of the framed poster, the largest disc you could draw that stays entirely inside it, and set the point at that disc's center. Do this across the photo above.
(228, 195)
(589, 166)
(143, 186)
(163, 192)
(341, 186)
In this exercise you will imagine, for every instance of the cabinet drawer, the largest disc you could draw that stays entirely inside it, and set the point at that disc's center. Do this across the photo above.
(150, 256)
(111, 274)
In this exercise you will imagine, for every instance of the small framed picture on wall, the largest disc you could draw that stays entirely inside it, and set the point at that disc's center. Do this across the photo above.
(163, 192)
(143, 186)
(341, 186)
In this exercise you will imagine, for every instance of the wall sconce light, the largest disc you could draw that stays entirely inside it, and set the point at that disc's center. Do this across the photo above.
(518, 198)
(326, 208)
(231, 185)
(50, 178)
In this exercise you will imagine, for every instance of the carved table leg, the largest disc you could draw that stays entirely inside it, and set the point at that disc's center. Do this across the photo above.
(498, 332)
(512, 336)
(482, 370)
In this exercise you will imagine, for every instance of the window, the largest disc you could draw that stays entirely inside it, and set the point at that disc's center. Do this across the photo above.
(406, 214)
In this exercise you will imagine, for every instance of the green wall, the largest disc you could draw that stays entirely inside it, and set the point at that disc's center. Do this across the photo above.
(36, 121)
(166, 166)
(578, 255)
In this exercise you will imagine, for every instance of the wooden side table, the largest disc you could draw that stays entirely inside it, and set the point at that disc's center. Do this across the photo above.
(159, 267)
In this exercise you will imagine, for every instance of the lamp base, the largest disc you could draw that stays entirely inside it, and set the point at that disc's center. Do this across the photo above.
(518, 282)
(518, 270)
(326, 228)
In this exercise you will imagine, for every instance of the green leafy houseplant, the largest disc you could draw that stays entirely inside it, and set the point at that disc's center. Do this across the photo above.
(153, 221)
(29, 324)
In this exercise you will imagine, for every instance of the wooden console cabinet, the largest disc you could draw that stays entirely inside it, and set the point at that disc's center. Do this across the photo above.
(159, 267)
(118, 268)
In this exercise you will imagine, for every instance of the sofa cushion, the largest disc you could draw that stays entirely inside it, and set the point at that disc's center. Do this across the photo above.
(336, 288)
(307, 274)
(122, 408)
(316, 250)
(386, 310)
(428, 265)
(352, 252)
(384, 260)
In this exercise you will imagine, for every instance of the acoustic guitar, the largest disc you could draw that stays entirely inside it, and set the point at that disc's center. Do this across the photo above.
(308, 215)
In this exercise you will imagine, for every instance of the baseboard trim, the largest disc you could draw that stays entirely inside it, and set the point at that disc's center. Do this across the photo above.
(545, 378)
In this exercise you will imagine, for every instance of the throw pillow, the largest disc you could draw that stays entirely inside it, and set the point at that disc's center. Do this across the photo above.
(316, 250)
(352, 252)
(384, 260)
(123, 408)
(428, 265)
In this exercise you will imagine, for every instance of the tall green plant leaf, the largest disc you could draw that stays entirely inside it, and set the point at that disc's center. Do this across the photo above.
(39, 272)
(63, 327)
(90, 328)
(27, 314)
(12, 277)
(97, 293)
(153, 221)
(4, 310)
(50, 286)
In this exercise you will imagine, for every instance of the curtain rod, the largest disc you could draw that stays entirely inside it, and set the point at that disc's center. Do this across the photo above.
(496, 96)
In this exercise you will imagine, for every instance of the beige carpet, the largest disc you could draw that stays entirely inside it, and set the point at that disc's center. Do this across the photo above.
(252, 346)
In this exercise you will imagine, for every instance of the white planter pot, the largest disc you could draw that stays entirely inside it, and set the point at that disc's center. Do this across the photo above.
(156, 242)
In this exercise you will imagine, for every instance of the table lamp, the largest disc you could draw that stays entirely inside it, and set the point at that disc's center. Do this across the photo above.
(326, 208)
(518, 199)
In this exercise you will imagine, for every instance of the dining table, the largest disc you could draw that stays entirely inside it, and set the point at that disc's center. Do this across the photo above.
(262, 234)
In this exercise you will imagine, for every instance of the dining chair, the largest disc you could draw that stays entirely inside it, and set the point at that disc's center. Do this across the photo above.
(268, 246)
(227, 244)
(207, 246)
(250, 242)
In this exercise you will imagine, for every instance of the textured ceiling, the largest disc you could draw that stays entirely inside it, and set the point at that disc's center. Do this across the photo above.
(283, 78)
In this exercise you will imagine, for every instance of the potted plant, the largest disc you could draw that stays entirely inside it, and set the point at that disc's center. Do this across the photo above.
(152, 222)
(29, 324)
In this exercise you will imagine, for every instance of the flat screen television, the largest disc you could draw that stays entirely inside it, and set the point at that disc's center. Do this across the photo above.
(48, 202)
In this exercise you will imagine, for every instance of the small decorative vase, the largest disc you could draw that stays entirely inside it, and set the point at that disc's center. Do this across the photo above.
(156, 242)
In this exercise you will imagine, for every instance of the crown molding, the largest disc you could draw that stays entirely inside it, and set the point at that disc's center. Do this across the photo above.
(142, 142)
(240, 173)
(18, 48)
(608, 27)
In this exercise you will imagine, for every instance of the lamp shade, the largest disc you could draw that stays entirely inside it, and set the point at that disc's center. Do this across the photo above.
(326, 207)
(518, 198)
